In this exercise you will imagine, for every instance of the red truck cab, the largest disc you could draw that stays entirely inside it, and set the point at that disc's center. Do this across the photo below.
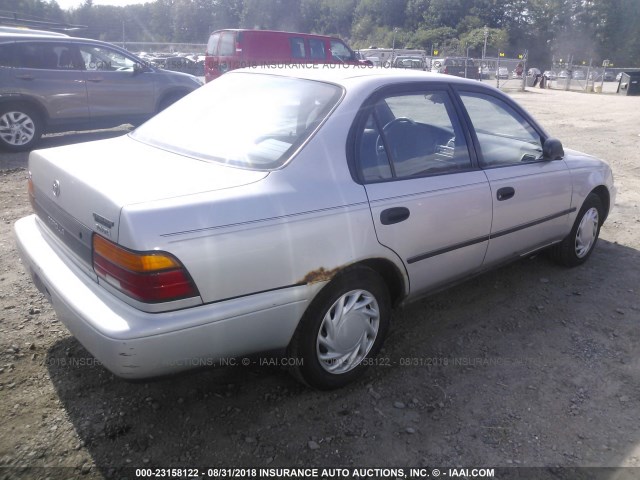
(237, 48)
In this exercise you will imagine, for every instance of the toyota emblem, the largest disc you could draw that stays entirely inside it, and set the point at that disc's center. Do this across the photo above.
(56, 188)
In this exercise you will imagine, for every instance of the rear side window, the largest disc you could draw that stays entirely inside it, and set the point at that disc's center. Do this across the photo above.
(412, 135)
(212, 45)
(226, 47)
(297, 47)
(37, 55)
(316, 49)
(48, 56)
(7, 55)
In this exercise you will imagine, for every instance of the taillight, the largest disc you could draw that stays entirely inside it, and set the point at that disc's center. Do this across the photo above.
(149, 277)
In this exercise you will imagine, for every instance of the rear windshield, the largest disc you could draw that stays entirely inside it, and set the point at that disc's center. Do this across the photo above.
(242, 119)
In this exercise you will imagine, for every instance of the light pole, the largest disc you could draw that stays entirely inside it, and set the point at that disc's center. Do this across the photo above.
(393, 46)
(484, 51)
(466, 62)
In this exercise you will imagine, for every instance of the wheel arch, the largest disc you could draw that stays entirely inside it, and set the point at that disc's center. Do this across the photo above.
(391, 275)
(173, 93)
(27, 101)
(605, 197)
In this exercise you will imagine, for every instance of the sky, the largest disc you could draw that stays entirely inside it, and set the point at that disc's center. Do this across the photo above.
(67, 4)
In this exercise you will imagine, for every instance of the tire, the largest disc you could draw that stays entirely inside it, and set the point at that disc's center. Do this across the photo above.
(357, 302)
(577, 247)
(20, 128)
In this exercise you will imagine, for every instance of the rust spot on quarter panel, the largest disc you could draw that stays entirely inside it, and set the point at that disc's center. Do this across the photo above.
(319, 275)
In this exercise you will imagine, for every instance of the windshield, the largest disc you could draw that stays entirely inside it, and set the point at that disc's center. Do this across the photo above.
(242, 119)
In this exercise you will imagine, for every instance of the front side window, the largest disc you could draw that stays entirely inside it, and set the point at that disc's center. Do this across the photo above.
(246, 120)
(412, 135)
(105, 60)
(7, 57)
(316, 49)
(339, 51)
(505, 137)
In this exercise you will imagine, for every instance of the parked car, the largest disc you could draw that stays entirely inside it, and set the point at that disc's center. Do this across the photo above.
(457, 66)
(52, 83)
(550, 74)
(532, 72)
(609, 75)
(184, 64)
(231, 49)
(564, 74)
(297, 220)
(409, 62)
(502, 72)
(578, 75)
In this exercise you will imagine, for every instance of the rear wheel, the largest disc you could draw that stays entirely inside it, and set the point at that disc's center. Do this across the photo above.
(20, 128)
(576, 248)
(343, 327)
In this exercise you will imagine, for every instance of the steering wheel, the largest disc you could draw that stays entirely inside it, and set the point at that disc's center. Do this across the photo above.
(389, 127)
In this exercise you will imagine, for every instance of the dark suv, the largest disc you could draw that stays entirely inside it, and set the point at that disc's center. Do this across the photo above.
(53, 83)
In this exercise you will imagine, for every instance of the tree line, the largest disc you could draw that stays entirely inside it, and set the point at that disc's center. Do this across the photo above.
(547, 29)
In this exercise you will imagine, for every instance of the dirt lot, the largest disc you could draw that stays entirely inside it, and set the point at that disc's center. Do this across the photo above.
(530, 365)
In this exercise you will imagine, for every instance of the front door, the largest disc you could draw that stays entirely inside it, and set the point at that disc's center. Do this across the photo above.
(531, 196)
(114, 88)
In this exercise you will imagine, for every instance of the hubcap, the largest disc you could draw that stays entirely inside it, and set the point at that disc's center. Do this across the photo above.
(587, 231)
(16, 128)
(348, 331)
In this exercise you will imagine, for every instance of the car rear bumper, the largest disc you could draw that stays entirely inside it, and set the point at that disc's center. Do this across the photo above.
(135, 344)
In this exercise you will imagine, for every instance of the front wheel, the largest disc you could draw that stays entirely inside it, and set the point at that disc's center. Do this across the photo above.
(20, 128)
(576, 248)
(342, 329)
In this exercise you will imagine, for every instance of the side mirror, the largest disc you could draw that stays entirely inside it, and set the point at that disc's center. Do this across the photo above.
(552, 149)
(139, 68)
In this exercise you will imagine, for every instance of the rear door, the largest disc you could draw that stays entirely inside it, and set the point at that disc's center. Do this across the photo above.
(531, 196)
(52, 73)
(429, 202)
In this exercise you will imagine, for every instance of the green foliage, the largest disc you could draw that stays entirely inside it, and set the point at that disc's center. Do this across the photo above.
(583, 29)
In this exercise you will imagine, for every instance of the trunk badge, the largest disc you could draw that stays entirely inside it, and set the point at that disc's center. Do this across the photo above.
(103, 221)
(56, 188)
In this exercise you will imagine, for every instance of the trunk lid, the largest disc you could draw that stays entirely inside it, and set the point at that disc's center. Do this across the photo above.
(80, 189)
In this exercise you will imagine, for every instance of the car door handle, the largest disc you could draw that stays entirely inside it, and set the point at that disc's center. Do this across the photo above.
(394, 215)
(94, 80)
(24, 77)
(505, 193)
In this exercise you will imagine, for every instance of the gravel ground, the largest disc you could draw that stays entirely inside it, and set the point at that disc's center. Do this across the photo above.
(529, 365)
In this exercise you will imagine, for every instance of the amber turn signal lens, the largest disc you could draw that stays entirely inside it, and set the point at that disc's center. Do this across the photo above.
(149, 277)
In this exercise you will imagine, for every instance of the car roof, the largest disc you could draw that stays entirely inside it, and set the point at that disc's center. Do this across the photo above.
(51, 37)
(279, 32)
(27, 31)
(348, 74)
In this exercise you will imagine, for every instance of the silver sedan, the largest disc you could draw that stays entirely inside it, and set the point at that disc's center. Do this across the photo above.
(290, 210)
